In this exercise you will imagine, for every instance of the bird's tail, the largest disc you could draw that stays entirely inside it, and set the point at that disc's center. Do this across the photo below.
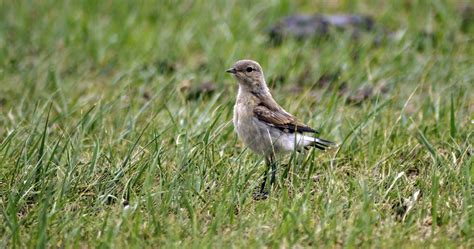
(319, 143)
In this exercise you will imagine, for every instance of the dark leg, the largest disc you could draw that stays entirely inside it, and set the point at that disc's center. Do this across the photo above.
(265, 176)
(268, 163)
(262, 194)
(273, 166)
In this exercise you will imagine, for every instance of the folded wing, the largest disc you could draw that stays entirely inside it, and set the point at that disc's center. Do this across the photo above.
(279, 118)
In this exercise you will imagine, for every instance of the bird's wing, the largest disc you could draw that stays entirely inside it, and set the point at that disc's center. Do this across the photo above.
(279, 118)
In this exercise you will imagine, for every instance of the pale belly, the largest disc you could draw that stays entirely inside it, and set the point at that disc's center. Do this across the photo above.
(259, 137)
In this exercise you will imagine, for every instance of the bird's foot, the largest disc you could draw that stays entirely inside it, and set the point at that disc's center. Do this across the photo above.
(260, 195)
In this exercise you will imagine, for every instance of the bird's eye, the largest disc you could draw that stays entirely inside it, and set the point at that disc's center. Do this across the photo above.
(249, 69)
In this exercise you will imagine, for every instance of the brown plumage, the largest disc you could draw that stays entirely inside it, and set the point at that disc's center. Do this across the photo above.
(263, 125)
(279, 118)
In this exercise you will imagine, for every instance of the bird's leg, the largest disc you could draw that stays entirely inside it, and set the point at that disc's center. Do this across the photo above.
(270, 165)
(265, 175)
(262, 194)
(273, 168)
(262, 186)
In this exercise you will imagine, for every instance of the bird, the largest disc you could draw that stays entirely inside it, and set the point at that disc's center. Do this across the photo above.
(263, 125)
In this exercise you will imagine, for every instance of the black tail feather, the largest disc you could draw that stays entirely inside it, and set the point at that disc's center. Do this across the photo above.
(322, 144)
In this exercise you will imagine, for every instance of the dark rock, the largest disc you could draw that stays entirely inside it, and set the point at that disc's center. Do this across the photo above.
(146, 95)
(467, 17)
(316, 26)
(165, 66)
(192, 90)
(344, 21)
(360, 95)
(299, 27)
(326, 79)
(366, 92)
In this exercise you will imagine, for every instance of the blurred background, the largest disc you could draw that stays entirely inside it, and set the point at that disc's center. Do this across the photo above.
(158, 41)
(107, 106)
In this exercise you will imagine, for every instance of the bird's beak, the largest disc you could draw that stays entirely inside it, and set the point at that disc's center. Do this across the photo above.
(231, 70)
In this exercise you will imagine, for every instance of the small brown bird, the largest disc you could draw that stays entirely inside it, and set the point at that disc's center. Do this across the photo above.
(263, 125)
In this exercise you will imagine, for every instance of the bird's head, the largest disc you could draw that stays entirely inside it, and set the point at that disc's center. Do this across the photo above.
(249, 74)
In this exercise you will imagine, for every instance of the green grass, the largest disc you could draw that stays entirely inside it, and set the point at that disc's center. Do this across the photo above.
(95, 111)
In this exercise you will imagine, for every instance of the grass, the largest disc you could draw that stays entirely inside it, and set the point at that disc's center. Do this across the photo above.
(106, 140)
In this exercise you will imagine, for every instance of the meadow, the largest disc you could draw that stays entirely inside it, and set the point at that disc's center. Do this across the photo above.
(116, 132)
